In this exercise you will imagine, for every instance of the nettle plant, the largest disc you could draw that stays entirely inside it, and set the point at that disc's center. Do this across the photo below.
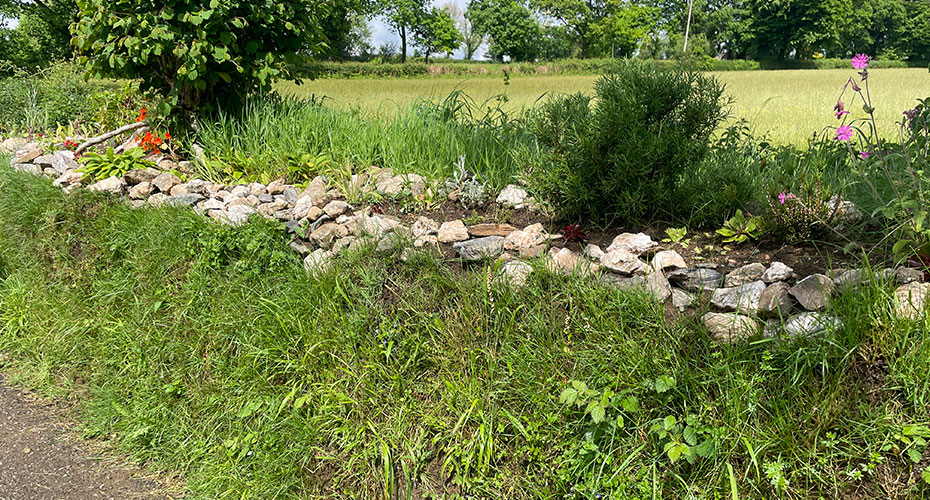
(197, 53)
(894, 173)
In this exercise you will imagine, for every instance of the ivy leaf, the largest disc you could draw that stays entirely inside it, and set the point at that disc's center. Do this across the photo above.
(914, 455)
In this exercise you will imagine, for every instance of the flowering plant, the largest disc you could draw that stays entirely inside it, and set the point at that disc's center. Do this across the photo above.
(900, 170)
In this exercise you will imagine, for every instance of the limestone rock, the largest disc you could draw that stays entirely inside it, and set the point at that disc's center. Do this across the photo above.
(489, 247)
(325, 235)
(811, 323)
(668, 259)
(25, 155)
(813, 292)
(143, 190)
(424, 226)
(636, 244)
(63, 161)
(565, 261)
(12, 144)
(658, 285)
(743, 298)
(141, 175)
(910, 300)
(526, 238)
(516, 272)
(164, 182)
(625, 284)
(336, 208)
(905, 275)
(513, 196)
(622, 261)
(452, 231)
(681, 299)
(776, 300)
(318, 261)
(777, 272)
(696, 279)
(184, 200)
(746, 274)
(114, 185)
(69, 178)
(481, 230)
(730, 327)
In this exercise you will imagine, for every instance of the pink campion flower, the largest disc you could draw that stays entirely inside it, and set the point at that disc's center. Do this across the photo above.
(909, 114)
(864, 155)
(861, 61)
(839, 110)
(783, 197)
(844, 133)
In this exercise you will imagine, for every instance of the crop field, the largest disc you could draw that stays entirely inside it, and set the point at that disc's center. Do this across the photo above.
(789, 106)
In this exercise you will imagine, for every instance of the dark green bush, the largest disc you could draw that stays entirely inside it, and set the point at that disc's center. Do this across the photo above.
(617, 158)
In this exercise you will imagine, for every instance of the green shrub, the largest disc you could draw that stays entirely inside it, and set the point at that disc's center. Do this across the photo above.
(196, 52)
(618, 158)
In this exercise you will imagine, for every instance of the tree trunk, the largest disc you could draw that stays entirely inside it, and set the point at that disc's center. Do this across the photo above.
(403, 44)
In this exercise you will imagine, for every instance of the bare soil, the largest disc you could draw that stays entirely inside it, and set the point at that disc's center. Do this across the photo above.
(42, 458)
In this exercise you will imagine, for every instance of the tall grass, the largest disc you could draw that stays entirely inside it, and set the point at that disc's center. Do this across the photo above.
(282, 137)
(208, 350)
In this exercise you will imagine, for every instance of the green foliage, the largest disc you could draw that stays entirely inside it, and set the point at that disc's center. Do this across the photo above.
(403, 16)
(619, 157)
(196, 53)
(740, 229)
(436, 32)
(102, 166)
(59, 95)
(210, 351)
(677, 236)
(41, 35)
(272, 138)
(510, 27)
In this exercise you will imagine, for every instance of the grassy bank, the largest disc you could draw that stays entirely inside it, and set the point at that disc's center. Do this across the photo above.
(788, 105)
(209, 350)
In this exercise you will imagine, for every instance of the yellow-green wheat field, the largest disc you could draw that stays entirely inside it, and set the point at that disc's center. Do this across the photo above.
(789, 106)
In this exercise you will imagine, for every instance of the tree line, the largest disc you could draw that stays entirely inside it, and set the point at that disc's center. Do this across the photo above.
(529, 30)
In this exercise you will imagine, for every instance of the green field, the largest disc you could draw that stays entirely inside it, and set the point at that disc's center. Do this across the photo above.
(788, 105)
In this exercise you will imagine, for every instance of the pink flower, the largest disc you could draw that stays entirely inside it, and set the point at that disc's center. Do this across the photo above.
(839, 110)
(861, 61)
(864, 155)
(844, 133)
(783, 197)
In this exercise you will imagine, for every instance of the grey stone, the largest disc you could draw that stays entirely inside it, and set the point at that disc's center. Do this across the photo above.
(636, 244)
(453, 231)
(164, 182)
(29, 168)
(265, 198)
(811, 323)
(743, 298)
(516, 272)
(776, 300)
(318, 261)
(910, 301)
(45, 161)
(489, 247)
(696, 279)
(681, 299)
(325, 235)
(813, 292)
(746, 274)
(141, 175)
(777, 272)
(114, 185)
(184, 200)
(905, 275)
(622, 261)
(157, 199)
(625, 284)
(25, 155)
(142, 190)
(290, 195)
(730, 327)
(513, 196)
(668, 259)
(63, 161)
(336, 208)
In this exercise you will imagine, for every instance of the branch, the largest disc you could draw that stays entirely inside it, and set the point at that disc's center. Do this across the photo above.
(104, 137)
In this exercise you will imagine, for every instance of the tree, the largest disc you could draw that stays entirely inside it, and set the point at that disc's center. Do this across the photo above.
(435, 32)
(471, 39)
(197, 53)
(345, 27)
(578, 17)
(42, 33)
(403, 16)
(511, 27)
(622, 31)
